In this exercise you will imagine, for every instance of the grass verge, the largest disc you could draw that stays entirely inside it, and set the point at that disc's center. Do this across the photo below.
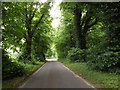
(15, 82)
(98, 79)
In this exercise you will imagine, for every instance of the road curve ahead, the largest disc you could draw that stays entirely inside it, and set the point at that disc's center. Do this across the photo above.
(55, 75)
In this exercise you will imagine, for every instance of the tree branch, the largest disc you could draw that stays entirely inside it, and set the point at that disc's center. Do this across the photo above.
(30, 11)
(37, 23)
(32, 16)
(26, 18)
(95, 22)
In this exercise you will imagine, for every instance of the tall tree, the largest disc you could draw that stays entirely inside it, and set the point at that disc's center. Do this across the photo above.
(31, 24)
(24, 21)
(84, 18)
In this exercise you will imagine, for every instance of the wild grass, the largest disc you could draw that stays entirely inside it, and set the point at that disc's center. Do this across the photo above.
(29, 68)
(98, 79)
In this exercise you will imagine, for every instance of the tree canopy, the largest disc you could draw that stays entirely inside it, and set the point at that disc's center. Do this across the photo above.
(87, 32)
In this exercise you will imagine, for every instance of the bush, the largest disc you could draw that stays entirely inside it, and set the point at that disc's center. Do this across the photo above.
(105, 60)
(11, 69)
(76, 55)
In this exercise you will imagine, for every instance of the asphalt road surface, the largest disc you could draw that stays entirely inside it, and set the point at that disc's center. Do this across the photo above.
(55, 75)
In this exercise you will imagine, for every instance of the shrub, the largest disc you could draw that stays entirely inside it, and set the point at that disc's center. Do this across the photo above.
(76, 55)
(105, 60)
(11, 69)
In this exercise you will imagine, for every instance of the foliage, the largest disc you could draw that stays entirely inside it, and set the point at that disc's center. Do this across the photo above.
(92, 27)
(12, 69)
(63, 43)
(74, 32)
(113, 24)
(96, 38)
(41, 42)
(26, 27)
(84, 17)
(87, 32)
(105, 55)
(104, 60)
(21, 22)
(49, 53)
(60, 47)
(65, 38)
(76, 55)
(16, 81)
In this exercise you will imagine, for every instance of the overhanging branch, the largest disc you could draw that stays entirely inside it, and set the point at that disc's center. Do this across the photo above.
(32, 16)
(37, 23)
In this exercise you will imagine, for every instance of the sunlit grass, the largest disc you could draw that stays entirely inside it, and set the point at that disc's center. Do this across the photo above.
(98, 79)
(11, 83)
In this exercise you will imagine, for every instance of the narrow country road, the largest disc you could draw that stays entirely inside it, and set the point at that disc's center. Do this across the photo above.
(55, 75)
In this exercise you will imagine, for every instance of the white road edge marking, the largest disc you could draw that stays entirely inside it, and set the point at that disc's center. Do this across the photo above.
(31, 76)
(78, 76)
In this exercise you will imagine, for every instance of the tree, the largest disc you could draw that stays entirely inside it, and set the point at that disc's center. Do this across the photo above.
(85, 17)
(31, 24)
(24, 22)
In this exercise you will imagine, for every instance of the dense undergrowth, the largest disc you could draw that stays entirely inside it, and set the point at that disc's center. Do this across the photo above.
(15, 72)
(15, 80)
(101, 60)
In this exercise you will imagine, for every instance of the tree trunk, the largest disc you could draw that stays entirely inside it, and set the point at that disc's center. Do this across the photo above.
(71, 39)
(78, 15)
(80, 36)
(29, 46)
(82, 42)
